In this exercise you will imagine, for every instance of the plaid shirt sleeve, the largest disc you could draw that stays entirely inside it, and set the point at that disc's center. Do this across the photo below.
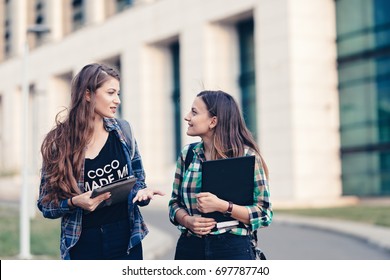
(50, 209)
(260, 213)
(174, 203)
(139, 173)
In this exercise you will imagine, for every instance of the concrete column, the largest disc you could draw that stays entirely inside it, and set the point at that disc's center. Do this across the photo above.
(273, 82)
(12, 138)
(19, 10)
(130, 96)
(191, 41)
(55, 19)
(221, 58)
(157, 78)
(315, 99)
(94, 11)
(298, 98)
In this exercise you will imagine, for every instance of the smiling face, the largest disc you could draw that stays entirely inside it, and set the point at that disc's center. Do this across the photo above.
(200, 123)
(107, 99)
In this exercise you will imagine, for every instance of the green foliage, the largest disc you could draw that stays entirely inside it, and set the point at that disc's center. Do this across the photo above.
(45, 235)
(9, 239)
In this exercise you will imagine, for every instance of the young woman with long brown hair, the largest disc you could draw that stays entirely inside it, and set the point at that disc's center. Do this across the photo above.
(216, 118)
(87, 150)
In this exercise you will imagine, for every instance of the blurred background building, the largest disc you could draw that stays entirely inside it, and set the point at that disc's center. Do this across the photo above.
(312, 78)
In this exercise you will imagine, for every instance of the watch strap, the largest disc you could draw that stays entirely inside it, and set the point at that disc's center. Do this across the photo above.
(228, 212)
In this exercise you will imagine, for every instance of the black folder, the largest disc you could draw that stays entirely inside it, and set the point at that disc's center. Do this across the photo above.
(230, 179)
(119, 189)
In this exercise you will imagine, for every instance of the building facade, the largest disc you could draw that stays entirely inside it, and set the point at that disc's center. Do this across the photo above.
(363, 40)
(280, 59)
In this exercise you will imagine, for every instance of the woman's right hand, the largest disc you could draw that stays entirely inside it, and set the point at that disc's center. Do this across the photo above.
(199, 225)
(85, 201)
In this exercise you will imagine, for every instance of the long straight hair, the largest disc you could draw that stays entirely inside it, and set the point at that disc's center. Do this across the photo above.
(63, 149)
(231, 134)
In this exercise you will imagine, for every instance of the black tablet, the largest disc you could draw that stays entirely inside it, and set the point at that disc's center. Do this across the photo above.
(119, 190)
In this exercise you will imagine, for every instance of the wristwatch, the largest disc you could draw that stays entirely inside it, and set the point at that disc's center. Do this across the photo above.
(228, 212)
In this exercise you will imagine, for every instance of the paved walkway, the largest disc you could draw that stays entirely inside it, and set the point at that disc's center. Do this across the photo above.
(376, 235)
(158, 242)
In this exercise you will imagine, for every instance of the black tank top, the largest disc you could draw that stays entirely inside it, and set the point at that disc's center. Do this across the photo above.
(108, 166)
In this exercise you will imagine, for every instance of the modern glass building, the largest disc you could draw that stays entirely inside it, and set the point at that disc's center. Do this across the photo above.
(363, 44)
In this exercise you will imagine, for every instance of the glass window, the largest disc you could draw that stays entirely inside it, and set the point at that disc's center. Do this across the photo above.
(357, 105)
(7, 29)
(356, 72)
(361, 174)
(177, 117)
(382, 8)
(123, 4)
(247, 73)
(40, 19)
(354, 20)
(383, 87)
(78, 14)
(382, 22)
(385, 173)
(363, 38)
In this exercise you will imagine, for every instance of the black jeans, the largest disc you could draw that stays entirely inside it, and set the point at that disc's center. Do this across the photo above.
(107, 242)
(224, 246)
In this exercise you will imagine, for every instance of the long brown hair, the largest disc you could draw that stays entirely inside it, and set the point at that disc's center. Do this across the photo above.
(231, 134)
(63, 149)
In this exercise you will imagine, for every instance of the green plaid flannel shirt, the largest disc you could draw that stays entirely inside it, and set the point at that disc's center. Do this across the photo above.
(187, 183)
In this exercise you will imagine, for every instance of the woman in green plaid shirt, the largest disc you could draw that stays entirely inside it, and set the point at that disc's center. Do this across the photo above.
(216, 118)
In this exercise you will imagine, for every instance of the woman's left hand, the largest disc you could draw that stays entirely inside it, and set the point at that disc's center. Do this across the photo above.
(208, 202)
(146, 194)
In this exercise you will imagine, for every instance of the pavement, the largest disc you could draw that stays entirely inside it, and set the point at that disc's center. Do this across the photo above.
(378, 236)
(375, 235)
(158, 242)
